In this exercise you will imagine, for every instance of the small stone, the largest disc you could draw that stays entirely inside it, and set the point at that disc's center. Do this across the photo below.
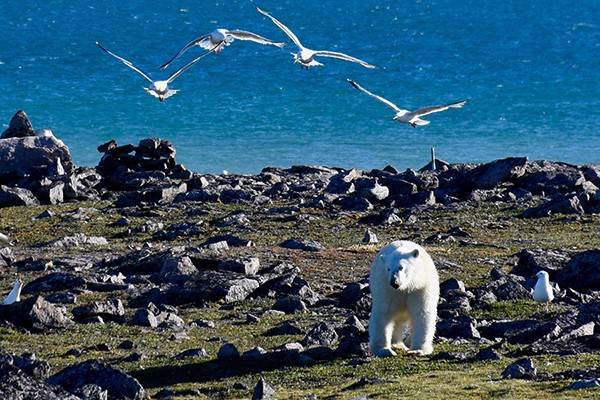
(263, 391)
(520, 369)
(227, 352)
(370, 237)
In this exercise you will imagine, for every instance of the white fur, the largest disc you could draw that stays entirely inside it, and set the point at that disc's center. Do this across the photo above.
(405, 289)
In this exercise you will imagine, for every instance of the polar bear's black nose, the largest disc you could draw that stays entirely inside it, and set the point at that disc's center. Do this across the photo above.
(394, 284)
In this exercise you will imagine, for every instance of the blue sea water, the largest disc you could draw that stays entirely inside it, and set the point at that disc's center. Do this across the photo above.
(530, 69)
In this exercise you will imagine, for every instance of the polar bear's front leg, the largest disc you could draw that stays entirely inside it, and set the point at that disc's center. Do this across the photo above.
(380, 336)
(422, 333)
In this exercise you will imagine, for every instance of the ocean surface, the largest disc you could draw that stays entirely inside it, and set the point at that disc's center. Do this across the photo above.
(530, 69)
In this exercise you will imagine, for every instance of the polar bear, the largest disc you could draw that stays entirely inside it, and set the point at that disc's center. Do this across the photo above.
(405, 290)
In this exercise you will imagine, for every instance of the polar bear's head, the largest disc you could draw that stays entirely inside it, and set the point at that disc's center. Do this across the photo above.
(400, 267)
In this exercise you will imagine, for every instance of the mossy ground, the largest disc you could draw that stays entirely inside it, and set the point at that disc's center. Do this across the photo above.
(496, 232)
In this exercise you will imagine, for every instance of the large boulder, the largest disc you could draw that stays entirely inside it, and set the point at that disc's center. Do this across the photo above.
(118, 384)
(582, 272)
(490, 175)
(35, 314)
(33, 156)
(19, 126)
(16, 384)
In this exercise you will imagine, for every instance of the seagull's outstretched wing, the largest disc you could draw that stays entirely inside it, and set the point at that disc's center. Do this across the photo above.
(186, 66)
(126, 62)
(281, 26)
(381, 99)
(342, 56)
(434, 109)
(184, 49)
(245, 35)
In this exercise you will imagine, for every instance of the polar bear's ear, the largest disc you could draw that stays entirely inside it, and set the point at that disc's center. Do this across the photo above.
(415, 253)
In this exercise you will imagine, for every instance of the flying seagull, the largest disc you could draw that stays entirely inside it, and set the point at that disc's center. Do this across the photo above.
(158, 89)
(15, 293)
(305, 56)
(542, 292)
(220, 38)
(410, 117)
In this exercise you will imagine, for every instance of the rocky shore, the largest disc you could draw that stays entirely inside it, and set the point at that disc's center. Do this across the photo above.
(143, 245)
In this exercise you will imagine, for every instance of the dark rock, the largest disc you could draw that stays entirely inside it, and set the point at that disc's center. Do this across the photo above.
(561, 204)
(356, 296)
(520, 369)
(451, 285)
(231, 240)
(18, 127)
(353, 346)
(302, 244)
(371, 190)
(461, 327)
(106, 147)
(290, 305)
(34, 157)
(144, 317)
(28, 364)
(510, 289)
(582, 272)
(54, 282)
(107, 309)
(263, 391)
(386, 217)
(169, 320)
(35, 314)
(322, 334)
(16, 385)
(192, 353)
(488, 354)
(91, 392)
(522, 331)
(547, 177)
(118, 384)
(11, 197)
(127, 345)
(286, 328)
(228, 352)
(355, 204)
(288, 284)
(343, 183)
(246, 266)
(532, 261)
(176, 270)
(490, 175)
(61, 298)
(210, 286)
(78, 240)
(584, 384)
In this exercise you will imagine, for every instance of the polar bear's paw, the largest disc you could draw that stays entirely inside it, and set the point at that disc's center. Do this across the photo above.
(419, 352)
(385, 353)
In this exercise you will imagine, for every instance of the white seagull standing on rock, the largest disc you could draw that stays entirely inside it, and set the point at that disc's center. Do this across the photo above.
(15, 293)
(306, 56)
(543, 292)
(158, 89)
(220, 38)
(410, 117)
